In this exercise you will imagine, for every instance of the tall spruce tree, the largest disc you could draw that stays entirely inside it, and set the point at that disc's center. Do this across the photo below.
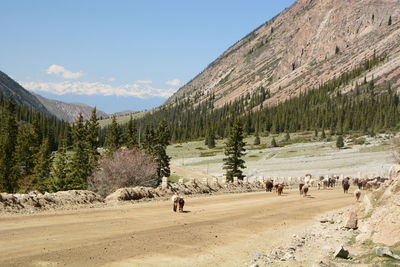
(114, 135)
(9, 168)
(149, 140)
(93, 129)
(339, 142)
(79, 165)
(235, 149)
(26, 149)
(257, 140)
(132, 134)
(211, 140)
(41, 171)
(60, 168)
(163, 138)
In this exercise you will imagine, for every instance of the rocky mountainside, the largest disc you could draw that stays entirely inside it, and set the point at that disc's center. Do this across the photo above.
(10, 88)
(69, 111)
(309, 43)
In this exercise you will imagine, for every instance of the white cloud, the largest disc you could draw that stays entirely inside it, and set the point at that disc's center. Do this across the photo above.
(144, 81)
(174, 82)
(111, 79)
(97, 88)
(63, 72)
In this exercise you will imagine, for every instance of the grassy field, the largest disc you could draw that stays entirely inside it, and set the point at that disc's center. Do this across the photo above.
(303, 153)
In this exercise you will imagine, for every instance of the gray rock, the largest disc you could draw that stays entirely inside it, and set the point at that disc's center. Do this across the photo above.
(352, 221)
(292, 247)
(257, 256)
(386, 252)
(341, 252)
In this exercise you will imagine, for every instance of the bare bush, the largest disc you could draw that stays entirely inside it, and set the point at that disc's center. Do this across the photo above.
(125, 168)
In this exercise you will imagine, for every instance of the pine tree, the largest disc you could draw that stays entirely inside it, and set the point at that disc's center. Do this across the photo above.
(211, 140)
(273, 142)
(9, 168)
(114, 135)
(60, 168)
(149, 140)
(287, 136)
(390, 20)
(339, 142)
(93, 129)
(316, 133)
(26, 149)
(323, 135)
(41, 171)
(79, 164)
(162, 141)
(235, 149)
(257, 140)
(132, 134)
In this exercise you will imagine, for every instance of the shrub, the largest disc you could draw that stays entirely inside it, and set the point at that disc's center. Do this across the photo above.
(124, 168)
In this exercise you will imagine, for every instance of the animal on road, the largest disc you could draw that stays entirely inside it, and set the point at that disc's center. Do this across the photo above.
(177, 201)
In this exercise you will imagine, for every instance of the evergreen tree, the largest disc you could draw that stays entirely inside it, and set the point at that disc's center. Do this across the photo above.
(339, 142)
(60, 168)
(316, 133)
(93, 129)
(235, 149)
(211, 140)
(150, 140)
(131, 135)
(257, 140)
(273, 142)
(9, 169)
(114, 135)
(41, 171)
(390, 20)
(79, 165)
(287, 136)
(26, 149)
(323, 135)
(162, 139)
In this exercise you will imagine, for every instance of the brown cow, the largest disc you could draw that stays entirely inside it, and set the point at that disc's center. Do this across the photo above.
(279, 189)
(178, 201)
(269, 185)
(305, 190)
(301, 188)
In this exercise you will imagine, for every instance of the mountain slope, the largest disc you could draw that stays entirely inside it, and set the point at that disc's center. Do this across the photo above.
(68, 111)
(10, 88)
(309, 43)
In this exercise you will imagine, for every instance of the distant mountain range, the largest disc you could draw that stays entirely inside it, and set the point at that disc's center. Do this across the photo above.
(69, 111)
(10, 88)
(62, 110)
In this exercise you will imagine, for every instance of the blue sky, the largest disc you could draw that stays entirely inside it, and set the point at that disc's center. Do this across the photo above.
(120, 54)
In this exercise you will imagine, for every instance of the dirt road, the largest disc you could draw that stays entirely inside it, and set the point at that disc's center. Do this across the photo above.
(223, 230)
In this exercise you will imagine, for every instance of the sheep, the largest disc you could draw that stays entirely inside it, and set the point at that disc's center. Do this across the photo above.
(357, 194)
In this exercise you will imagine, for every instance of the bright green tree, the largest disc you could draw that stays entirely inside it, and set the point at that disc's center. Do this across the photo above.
(235, 149)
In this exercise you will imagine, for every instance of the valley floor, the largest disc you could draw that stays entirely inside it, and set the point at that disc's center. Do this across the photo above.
(222, 230)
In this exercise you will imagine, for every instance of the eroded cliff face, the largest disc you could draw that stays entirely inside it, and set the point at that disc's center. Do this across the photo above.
(309, 43)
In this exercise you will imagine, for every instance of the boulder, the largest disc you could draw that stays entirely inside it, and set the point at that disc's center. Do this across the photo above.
(341, 252)
(352, 221)
(386, 252)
